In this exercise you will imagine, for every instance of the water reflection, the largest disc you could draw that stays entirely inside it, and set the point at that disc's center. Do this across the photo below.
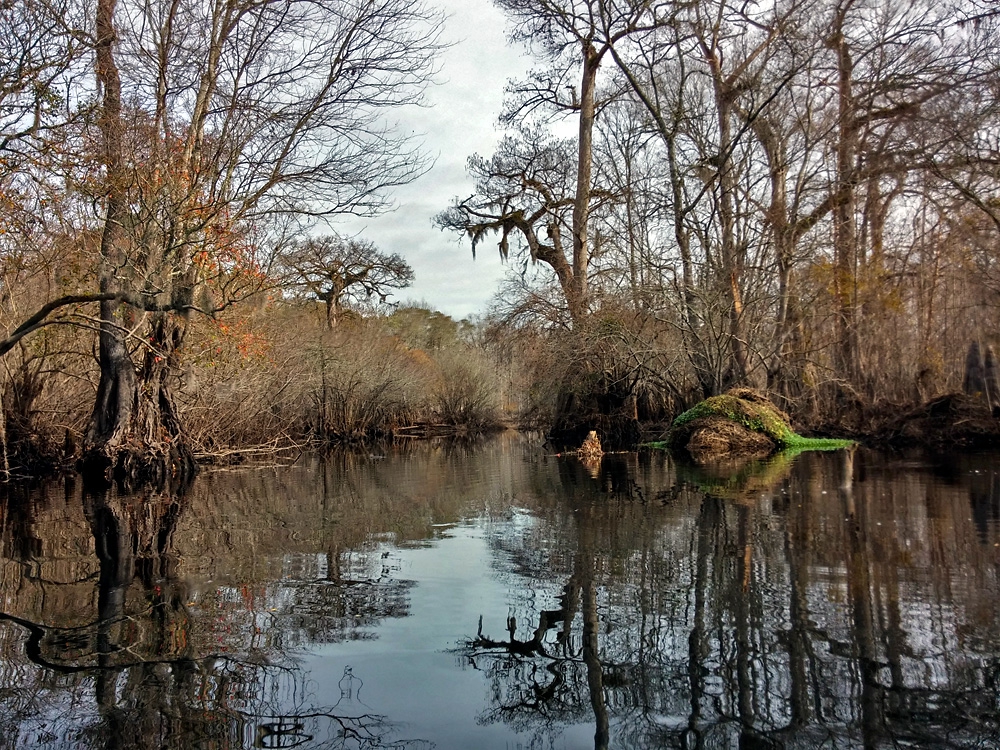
(837, 600)
(826, 612)
(99, 616)
(741, 479)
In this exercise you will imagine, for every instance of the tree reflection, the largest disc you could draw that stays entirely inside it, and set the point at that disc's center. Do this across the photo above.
(789, 615)
(561, 674)
(142, 654)
(840, 601)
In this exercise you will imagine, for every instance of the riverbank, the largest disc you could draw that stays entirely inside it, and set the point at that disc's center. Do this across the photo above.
(953, 420)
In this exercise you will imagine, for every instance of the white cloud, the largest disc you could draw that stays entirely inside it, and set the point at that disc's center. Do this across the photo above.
(459, 121)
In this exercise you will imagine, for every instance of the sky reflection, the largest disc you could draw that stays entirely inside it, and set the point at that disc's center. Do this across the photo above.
(494, 596)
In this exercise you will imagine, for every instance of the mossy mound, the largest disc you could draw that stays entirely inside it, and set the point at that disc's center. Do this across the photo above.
(740, 422)
(708, 437)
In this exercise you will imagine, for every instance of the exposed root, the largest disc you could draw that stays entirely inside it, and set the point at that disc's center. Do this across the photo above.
(132, 466)
(713, 436)
(951, 419)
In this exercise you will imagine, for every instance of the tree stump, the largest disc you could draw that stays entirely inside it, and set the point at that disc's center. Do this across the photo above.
(591, 447)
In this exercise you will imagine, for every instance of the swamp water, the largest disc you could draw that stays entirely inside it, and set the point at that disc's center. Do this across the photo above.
(496, 597)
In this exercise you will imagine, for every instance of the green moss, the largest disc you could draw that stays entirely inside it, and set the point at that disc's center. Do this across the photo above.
(753, 415)
(657, 444)
(756, 415)
(797, 443)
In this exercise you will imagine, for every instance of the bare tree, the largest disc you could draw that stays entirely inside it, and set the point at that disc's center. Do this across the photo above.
(759, 111)
(222, 126)
(339, 272)
(571, 37)
(40, 56)
(37, 52)
(525, 193)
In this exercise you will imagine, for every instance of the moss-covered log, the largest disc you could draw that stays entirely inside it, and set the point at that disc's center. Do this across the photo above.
(740, 422)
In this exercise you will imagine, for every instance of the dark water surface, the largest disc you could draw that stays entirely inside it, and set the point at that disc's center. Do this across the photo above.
(496, 597)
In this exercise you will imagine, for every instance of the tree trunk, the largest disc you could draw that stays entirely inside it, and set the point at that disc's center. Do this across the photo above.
(731, 256)
(116, 392)
(694, 344)
(577, 297)
(844, 231)
(974, 382)
(133, 434)
(785, 371)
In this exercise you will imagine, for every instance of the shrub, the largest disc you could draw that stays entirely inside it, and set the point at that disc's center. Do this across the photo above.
(466, 394)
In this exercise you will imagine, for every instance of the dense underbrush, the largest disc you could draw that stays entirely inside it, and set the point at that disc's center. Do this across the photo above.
(277, 378)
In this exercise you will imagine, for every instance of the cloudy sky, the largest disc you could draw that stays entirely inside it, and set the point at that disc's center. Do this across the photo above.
(460, 121)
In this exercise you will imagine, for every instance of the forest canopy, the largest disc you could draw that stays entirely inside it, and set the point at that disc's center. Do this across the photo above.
(799, 196)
